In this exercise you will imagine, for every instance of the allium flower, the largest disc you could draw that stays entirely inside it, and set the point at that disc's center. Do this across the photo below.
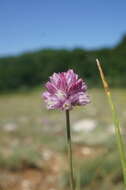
(65, 90)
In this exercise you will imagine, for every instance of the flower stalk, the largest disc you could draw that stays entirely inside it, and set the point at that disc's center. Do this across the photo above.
(119, 138)
(64, 91)
(72, 183)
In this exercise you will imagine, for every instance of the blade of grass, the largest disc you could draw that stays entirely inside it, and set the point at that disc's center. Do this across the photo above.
(116, 121)
(78, 179)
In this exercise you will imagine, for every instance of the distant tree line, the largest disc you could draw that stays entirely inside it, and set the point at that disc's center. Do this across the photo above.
(32, 69)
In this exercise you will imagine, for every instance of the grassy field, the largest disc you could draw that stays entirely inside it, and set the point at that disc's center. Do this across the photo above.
(33, 143)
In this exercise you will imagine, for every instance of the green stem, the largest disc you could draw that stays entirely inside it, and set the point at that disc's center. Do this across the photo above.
(70, 150)
(118, 135)
(119, 138)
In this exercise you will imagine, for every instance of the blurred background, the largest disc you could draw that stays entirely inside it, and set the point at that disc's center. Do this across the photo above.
(38, 38)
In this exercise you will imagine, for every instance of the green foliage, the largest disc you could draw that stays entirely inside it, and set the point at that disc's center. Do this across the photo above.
(31, 69)
(20, 158)
(94, 171)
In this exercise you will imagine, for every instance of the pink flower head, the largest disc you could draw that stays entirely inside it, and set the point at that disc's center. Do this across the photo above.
(65, 90)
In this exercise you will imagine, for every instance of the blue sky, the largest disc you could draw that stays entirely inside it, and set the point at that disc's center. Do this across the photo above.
(27, 25)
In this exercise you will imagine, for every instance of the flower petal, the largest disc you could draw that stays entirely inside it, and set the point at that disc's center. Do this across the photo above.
(51, 87)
